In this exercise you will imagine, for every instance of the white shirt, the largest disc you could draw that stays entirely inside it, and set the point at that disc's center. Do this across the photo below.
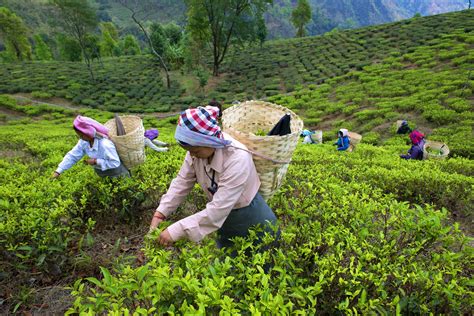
(308, 140)
(103, 150)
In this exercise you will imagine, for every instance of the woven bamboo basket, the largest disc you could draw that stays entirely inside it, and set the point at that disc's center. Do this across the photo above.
(355, 139)
(131, 146)
(435, 150)
(243, 121)
(399, 123)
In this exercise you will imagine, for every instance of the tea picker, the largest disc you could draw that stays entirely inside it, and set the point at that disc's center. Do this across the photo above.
(94, 143)
(225, 169)
(417, 148)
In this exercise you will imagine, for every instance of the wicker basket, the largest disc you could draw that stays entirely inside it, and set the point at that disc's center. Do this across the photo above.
(355, 139)
(245, 120)
(442, 150)
(399, 123)
(131, 146)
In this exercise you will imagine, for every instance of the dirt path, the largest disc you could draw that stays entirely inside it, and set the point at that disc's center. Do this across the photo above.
(57, 102)
(63, 103)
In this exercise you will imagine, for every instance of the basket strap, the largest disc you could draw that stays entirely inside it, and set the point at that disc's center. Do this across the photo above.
(262, 156)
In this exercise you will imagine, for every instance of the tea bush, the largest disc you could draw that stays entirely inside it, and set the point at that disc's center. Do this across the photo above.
(346, 247)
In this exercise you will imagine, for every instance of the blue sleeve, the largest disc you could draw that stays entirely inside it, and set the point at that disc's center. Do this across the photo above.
(416, 153)
(345, 144)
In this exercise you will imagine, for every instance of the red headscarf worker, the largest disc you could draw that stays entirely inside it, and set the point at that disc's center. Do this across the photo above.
(416, 150)
(225, 172)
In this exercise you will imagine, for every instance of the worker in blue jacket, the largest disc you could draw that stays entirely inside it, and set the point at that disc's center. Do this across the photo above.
(343, 141)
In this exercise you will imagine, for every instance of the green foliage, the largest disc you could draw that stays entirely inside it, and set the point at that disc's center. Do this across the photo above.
(68, 47)
(42, 51)
(203, 77)
(108, 43)
(362, 232)
(300, 16)
(14, 35)
(386, 256)
(158, 38)
(221, 23)
(129, 46)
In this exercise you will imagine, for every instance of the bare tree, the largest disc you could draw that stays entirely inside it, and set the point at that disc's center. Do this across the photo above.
(137, 7)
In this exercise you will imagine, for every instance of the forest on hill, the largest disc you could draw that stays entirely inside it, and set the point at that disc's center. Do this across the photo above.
(325, 16)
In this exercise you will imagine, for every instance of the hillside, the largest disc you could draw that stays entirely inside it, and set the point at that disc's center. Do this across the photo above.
(362, 231)
(326, 14)
(364, 79)
(344, 14)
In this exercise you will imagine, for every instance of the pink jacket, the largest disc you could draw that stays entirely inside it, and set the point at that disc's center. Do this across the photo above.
(237, 180)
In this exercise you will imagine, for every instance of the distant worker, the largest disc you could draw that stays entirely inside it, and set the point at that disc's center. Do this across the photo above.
(404, 128)
(343, 141)
(308, 137)
(214, 102)
(416, 150)
(151, 141)
(94, 143)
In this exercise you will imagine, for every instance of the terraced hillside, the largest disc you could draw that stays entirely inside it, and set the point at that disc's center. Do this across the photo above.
(280, 66)
(363, 232)
(135, 83)
(432, 87)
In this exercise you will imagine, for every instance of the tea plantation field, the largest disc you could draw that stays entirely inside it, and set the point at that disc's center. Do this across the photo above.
(135, 84)
(362, 232)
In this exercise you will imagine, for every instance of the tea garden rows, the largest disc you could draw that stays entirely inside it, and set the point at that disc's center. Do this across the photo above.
(361, 232)
(134, 84)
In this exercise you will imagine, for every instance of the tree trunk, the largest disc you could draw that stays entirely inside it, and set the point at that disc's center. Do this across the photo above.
(215, 70)
(86, 57)
(162, 62)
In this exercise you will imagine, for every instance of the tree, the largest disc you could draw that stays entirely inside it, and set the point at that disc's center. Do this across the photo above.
(13, 32)
(173, 33)
(136, 7)
(129, 45)
(77, 18)
(108, 41)
(300, 16)
(158, 38)
(68, 48)
(42, 51)
(219, 23)
(261, 31)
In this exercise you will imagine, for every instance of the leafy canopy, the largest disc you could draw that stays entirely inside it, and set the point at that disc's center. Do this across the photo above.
(220, 23)
(13, 32)
(300, 16)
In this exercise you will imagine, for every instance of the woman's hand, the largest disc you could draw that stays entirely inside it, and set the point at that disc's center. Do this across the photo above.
(165, 238)
(158, 217)
(90, 161)
(55, 174)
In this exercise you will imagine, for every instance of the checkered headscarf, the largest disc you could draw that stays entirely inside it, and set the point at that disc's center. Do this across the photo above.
(202, 120)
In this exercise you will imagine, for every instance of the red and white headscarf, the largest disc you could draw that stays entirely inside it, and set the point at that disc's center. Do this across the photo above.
(201, 120)
(198, 127)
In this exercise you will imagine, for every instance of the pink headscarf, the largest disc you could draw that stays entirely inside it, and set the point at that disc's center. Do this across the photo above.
(90, 127)
(416, 137)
